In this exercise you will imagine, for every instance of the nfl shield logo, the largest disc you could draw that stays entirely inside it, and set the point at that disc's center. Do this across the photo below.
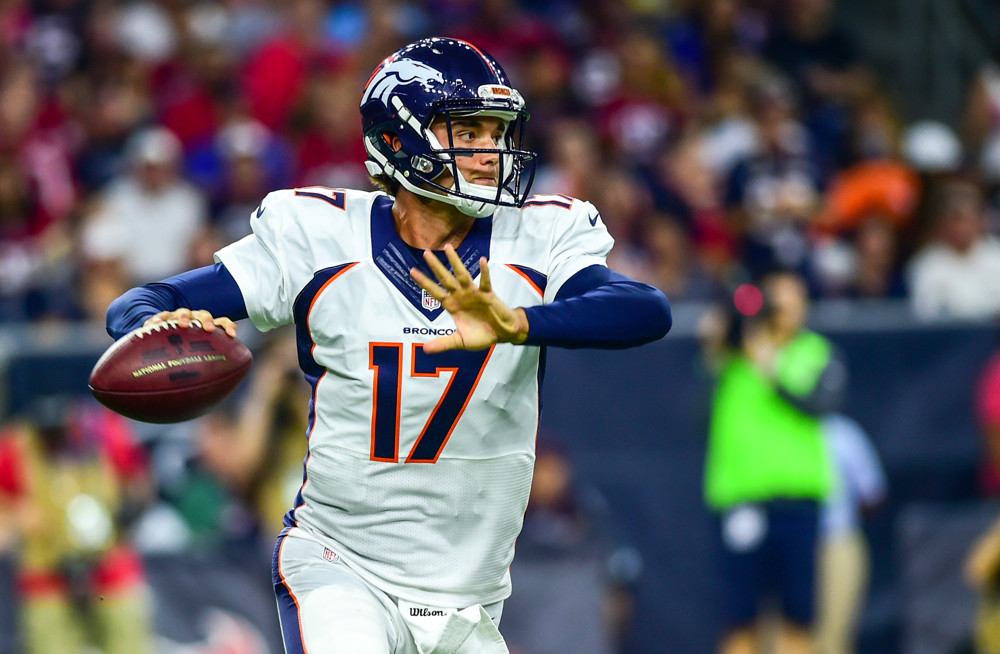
(428, 302)
(330, 555)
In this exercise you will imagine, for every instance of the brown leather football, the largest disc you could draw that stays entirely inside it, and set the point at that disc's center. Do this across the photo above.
(167, 373)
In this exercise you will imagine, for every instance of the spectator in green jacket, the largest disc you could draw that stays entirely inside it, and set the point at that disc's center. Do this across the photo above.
(768, 469)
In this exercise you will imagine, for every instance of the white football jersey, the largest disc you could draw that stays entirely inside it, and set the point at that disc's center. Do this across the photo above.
(418, 465)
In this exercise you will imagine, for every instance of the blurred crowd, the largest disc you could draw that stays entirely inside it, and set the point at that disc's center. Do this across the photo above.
(720, 139)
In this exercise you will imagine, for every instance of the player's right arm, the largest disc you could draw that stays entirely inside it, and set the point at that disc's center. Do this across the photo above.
(212, 289)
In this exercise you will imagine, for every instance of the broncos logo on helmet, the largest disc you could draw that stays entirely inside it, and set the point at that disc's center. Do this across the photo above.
(396, 72)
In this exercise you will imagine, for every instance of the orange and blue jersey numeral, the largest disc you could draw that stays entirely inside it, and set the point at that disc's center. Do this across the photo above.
(332, 195)
(556, 200)
(385, 359)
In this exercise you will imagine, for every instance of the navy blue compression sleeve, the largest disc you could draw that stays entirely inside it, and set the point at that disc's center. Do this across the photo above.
(600, 308)
(211, 288)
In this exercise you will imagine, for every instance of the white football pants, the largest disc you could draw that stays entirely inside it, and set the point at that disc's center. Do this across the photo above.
(326, 608)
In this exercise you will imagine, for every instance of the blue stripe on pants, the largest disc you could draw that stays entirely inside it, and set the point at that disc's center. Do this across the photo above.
(288, 609)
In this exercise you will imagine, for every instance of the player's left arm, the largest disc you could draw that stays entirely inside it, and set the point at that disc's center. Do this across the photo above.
(600, 308)
(595, 308)
(591, 306)
(586, 304)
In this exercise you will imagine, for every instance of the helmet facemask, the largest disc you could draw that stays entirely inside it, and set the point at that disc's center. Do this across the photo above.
(420, 172)
(513, 164)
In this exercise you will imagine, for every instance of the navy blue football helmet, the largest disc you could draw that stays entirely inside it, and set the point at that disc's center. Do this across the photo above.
(442, 77)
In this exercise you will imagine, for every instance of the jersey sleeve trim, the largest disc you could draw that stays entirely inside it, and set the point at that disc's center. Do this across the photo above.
(535, 279)
(579, 264)
(313, 370)
(303, 307)
(579, 240)
(240, 274)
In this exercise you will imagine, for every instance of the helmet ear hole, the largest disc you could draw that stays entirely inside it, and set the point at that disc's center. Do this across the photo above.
(392, 141)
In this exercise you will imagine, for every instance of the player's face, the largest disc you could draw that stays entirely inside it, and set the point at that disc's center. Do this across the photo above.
(472, 132)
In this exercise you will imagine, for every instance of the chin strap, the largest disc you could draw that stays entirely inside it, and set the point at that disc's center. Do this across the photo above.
(468, 206)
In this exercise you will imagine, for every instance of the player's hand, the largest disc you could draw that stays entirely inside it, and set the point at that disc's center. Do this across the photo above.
(481, 318)
(186, 317)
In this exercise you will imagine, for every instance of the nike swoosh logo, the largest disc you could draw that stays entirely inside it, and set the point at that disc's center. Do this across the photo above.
(593, 219)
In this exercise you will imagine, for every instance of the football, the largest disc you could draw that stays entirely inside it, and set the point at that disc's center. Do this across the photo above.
(166, 373)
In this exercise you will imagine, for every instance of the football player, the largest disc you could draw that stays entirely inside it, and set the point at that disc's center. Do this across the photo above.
(422, 313)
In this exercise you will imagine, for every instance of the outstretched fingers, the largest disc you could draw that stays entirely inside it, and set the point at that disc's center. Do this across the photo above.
(461, 272)
(428, 284)
(485, 285)
(444, 277)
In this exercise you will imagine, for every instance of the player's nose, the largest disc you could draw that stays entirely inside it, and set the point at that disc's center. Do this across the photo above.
(488, 160)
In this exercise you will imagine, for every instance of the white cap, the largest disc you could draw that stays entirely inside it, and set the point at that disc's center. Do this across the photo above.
(932, 147)
(243, 138)
(145, 31)
(154, 145)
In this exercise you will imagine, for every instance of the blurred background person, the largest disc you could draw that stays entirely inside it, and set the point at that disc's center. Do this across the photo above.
(36, 253)
(933, 150)
(73, 480)
(859, 488)
(866, 225)
(235, 170)
(877, 269)
(572, 165)
(768, 469)
(957, 273)
(773, 193)
(685, 186)
(146, 222)
(821, 58)
(328, 150)
(980, 126)
(673, 264)
(648, 105)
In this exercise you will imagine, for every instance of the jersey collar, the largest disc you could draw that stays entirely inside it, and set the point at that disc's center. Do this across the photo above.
(394, 257)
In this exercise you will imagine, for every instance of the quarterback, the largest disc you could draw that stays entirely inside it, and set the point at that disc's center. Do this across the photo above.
(422, 313)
